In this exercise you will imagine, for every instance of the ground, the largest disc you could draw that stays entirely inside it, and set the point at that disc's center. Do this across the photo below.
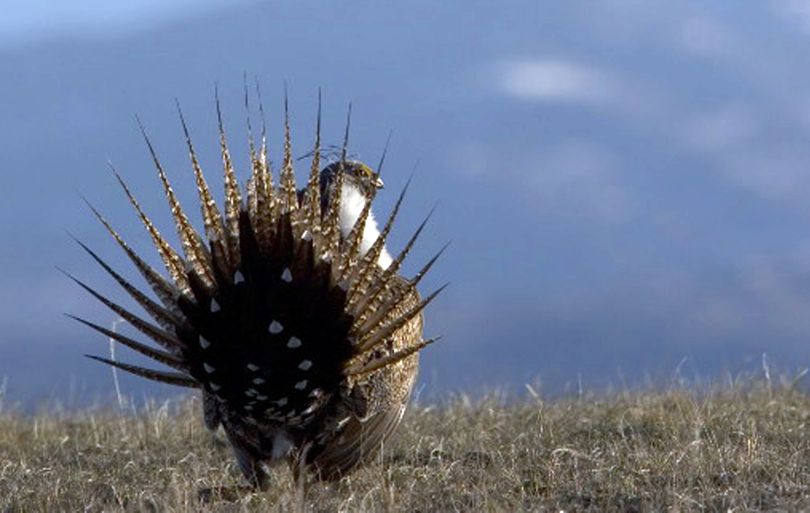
(741, 446)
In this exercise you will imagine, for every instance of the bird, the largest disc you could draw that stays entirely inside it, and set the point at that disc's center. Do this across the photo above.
(287, 311)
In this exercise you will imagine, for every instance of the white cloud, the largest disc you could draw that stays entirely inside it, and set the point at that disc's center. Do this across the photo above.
(629, 96)
(555, 80)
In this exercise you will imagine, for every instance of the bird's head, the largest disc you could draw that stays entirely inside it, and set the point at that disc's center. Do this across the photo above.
(355, 174)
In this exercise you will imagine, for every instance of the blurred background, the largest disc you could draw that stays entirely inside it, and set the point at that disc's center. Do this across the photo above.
(626, 183)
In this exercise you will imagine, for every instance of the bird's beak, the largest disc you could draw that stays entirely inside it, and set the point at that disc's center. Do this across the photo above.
(379, 183)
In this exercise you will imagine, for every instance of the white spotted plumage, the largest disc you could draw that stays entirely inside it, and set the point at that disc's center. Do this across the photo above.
(291, 302)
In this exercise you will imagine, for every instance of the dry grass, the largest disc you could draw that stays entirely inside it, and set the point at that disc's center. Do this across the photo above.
(743, 448)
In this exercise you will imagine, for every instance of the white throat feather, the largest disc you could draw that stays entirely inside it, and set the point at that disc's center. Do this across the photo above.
(352, 202)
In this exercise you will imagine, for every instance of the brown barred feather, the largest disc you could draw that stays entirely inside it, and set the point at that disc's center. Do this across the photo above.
(162, 337)
(174, 264)
(289, 194)
(353, 241)
(233, 198)
(212, 219)
(369, 264)
(165, 291)
(166, 318)
(170, 378)
(374, 296)
(192, 246)
(311, 202)
(390, 359)
(331, 225)
(383, 332)
(159, 356)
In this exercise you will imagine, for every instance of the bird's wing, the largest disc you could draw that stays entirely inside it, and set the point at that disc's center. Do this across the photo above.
(385, 395)
(358, 442)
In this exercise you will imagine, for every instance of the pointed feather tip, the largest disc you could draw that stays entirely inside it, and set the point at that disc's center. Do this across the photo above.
(317, 148)
(412, 173)
(104, 360)
(434, 207)
(248, 122)
(61, 270)
(436, 292)
(80, 194)
(166, 358)
(81, 284)
(119, 177)
(183, 122)
(112, 167)
(83, 245)
(261, 105)
(74, 317)
(86, 323)
(433, 340)
(402, 193)
(219, 110)
(443, 248)
(83, 321)
(318, 118)
(89, 204)
(245, 87)
(286, 101)
(384, 153)
(178, 379)
(345, 147)
(138, 121)
(416, 234)
(72, 237)
(147, 140)
(80, 243)
(423, 224)
(408, 182)
(424, 270)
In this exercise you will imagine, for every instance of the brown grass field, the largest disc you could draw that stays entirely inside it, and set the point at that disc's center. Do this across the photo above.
(741, 447)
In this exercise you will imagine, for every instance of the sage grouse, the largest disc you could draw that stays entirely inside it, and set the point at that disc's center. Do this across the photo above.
(289, 314)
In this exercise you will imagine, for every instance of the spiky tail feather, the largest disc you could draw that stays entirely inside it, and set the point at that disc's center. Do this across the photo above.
(285, 326)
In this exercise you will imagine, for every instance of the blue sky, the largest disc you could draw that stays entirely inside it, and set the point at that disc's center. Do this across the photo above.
(626, 183)
(37, 20)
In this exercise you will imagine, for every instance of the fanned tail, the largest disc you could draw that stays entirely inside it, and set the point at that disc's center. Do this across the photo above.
(279, 317)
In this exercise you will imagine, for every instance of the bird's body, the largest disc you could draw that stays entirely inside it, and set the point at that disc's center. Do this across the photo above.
(289, 314)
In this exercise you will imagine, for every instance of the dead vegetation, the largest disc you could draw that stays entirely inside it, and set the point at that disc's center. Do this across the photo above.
(743, 447)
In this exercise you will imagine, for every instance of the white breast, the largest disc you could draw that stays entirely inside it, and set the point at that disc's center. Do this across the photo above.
(352, 202)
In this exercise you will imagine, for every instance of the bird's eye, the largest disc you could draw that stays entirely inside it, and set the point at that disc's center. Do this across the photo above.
(365, 171)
